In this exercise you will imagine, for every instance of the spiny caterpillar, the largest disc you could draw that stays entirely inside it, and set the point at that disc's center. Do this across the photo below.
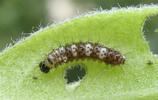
(81, 50)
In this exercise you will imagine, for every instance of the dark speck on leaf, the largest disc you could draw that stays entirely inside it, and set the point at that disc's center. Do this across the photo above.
(35, 78)
(150, 62)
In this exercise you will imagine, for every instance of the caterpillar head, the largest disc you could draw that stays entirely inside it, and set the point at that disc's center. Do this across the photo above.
(43, 67)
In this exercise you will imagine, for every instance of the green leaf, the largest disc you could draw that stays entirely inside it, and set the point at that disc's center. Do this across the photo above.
(21, 79)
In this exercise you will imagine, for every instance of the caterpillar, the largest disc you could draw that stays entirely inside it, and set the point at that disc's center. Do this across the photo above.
(81, 50)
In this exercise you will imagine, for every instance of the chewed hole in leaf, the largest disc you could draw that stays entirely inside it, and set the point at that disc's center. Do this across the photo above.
(150, 30)
(75, 73)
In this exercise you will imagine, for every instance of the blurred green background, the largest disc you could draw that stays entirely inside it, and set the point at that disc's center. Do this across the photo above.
(19, 18)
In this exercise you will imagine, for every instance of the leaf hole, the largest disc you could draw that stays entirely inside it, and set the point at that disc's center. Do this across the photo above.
(75, 73)
(150, 30)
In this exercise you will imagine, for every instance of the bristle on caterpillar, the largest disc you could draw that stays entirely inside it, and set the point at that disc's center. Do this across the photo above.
(81, 50)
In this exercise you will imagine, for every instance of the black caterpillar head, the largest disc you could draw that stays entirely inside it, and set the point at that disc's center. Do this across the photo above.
(43, 67)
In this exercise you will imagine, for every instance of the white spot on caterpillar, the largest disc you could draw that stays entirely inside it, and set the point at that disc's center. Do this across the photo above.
(74, 50)
(103, 52)
(89, 49)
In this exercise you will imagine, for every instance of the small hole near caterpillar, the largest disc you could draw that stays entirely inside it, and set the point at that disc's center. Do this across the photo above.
(81, 50)
(75, 73)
